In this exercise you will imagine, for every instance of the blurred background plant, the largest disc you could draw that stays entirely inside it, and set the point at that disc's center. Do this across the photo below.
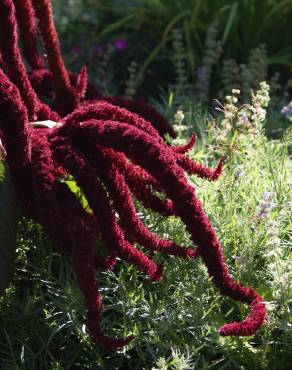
(249, 40)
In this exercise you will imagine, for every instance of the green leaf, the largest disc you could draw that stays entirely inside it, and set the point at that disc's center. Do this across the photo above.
(78, 192)
(232, 16)
(116, 25)
(8, 228)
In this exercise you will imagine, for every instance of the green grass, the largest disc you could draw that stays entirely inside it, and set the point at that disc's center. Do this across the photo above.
(175, 321)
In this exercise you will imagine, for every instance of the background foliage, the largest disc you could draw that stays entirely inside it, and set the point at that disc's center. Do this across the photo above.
(147, 27)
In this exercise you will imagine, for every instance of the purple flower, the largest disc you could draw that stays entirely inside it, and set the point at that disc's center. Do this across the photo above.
(75, 50)
(239, 173)
(121, 45)
(266, 205)
(287, 111)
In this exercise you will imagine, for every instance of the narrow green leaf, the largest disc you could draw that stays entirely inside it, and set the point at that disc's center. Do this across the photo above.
(230, 21)
(116, 25)
(77, 191)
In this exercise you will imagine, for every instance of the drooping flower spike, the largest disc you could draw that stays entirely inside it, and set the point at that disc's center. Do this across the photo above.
(158, 160)
(68, 87)
(27, 30)
(114, 155)
(124, 206)
(12, 60)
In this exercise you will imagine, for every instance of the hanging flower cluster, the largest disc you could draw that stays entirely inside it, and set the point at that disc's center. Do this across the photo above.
(114, 150)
